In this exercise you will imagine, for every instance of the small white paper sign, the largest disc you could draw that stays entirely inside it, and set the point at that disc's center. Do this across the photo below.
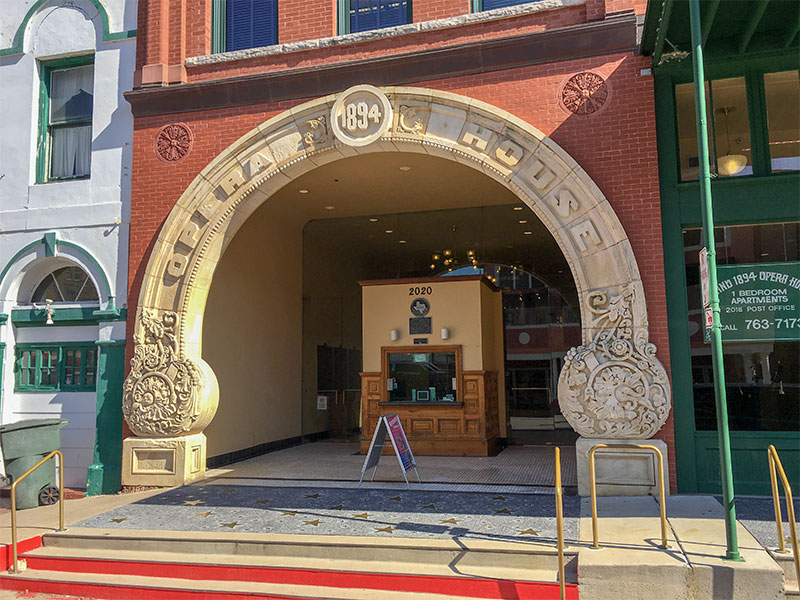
(322, 403)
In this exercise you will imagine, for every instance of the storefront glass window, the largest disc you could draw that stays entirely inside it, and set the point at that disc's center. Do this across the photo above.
(729, 134)
(422, 377)
(762, 341)
(782, 91)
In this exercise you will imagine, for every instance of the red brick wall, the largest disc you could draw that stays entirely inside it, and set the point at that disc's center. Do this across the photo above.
(393, 45)
(428, 10)
(616, 147)
(305, 20)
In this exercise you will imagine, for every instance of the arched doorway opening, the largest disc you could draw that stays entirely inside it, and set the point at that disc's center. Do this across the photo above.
(610, 386)
(380, 216)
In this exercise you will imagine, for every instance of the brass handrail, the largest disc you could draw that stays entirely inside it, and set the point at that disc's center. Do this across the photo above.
(14, 501)
(560, 525)
(775, 461)
(661, 494)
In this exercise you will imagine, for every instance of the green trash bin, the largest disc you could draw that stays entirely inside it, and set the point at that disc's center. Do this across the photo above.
(25, 443)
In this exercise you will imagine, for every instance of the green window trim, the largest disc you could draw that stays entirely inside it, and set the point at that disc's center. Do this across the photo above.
(43, 133)
(60, 357)
(219, 24)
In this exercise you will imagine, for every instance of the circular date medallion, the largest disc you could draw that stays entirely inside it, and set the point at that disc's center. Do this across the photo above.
(361, 115)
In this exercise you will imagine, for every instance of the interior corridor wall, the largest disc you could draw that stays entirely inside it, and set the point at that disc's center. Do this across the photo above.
(252, 332)
(332, 268)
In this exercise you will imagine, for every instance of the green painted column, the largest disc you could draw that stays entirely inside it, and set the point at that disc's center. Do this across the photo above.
(726, 469)
(105, 472)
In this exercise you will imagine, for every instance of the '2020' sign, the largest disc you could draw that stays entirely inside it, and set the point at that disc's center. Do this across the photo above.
(361, 115)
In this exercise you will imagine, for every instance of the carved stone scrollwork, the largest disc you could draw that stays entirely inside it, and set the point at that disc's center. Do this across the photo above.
(316, 133)
(410, 120)
(614, 387)
(161, 393)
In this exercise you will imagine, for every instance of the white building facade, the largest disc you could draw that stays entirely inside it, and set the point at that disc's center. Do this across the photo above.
(66, 136)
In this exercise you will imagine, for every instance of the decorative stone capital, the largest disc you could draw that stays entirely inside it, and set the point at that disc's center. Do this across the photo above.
(614, 387)
(166, 394)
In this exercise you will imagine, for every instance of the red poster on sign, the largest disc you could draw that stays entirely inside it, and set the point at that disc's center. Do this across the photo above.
(400, 441)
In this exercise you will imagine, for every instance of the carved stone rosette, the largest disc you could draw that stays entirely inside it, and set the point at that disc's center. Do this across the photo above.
(614, 387)
(164, 395)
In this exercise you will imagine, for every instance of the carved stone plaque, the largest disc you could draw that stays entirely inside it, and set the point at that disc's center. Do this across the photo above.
(361, 115)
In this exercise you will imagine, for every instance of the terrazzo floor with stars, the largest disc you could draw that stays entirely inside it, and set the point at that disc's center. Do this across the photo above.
(356, 512)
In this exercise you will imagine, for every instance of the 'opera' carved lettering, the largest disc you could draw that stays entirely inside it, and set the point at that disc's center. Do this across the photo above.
(192, 231)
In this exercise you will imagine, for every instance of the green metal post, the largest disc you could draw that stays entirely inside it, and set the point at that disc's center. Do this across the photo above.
(726, 472)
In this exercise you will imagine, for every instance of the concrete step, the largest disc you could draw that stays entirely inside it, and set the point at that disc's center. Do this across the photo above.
(136, 587)
(330, 565)
(466, 557)
(786, 561)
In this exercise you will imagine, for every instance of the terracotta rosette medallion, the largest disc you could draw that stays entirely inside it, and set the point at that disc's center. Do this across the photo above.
(173, 142)
(584, 94)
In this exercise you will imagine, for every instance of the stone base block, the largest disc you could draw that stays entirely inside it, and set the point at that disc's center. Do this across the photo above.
(163, 462)
(621, 472)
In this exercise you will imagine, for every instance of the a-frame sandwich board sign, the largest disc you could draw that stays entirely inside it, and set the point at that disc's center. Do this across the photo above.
(389, 425)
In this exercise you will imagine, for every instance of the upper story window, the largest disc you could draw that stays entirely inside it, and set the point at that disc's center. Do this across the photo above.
(242, 24)
(481, 5)
(67, 284)
(782, 91)
(376, 14)
(743, 139)
(65, 119)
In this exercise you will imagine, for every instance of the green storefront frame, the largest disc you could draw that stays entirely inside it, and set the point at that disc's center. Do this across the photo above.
(697, 454)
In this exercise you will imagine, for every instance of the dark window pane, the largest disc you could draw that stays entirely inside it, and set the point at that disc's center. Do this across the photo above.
(422, 377)
(782, 91)
(376, 14)
(762, 378)
(71, 94)
(251, 24)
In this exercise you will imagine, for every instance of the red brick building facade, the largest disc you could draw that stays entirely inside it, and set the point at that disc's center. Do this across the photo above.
(524, 62)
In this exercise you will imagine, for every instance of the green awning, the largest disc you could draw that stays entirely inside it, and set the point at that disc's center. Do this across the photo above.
(730, 28)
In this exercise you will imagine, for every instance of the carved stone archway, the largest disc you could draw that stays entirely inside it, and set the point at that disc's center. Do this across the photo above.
(612, 386)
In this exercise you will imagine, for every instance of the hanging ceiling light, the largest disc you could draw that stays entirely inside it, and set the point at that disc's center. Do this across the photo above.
(730, 164)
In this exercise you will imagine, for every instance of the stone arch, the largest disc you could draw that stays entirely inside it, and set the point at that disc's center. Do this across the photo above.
(612, 386)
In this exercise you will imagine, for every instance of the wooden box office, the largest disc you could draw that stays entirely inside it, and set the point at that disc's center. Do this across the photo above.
(433, 354)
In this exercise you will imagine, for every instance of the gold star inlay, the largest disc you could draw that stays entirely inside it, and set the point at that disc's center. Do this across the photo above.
(312, 495)
(229, 525)
(315, 522)
(451, 520)
(204, 515)
(387, 529)
(337, 507)
(499, 498)
(228, 491)
(361, 516)
(120, 520)
(290, 513)
(529, 532)
(192, 502)
(396, 498)
(429, 506)
(262, 501)
(502, 511)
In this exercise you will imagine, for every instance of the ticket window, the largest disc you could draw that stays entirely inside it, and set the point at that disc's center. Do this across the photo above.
(422, 377)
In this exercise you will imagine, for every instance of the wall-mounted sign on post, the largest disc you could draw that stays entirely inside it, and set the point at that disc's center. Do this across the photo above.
(389, 425)
(760, 302)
